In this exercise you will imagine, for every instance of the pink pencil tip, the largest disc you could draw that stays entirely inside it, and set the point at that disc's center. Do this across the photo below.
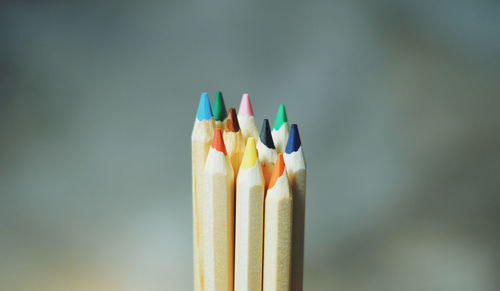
(245, 106)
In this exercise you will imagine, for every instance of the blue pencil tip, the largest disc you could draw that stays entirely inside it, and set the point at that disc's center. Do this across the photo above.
(293, 143)
(204, 109)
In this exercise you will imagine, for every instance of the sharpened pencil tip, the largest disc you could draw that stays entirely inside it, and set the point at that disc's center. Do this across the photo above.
(250, 156)
(280, 117)
(293, 140)
(245, 106)
(265, 135)
(279, 168)
(218, 141)
(219, 108)
(232, 121)
(204, 108)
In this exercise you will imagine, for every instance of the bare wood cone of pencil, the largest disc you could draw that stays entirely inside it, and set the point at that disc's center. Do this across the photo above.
(267, 151)
(280, 129)
(246, 119)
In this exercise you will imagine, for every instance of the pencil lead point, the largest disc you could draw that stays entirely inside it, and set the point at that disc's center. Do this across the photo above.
(279, 168)
(280, 117)
(232, 121)
(245, 106)
(218, 141)
(265, 135)
(293, 140)
(219, 108)
(250, 156)
(204, 109)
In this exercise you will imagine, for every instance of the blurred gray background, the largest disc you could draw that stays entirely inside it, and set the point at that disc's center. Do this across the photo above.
(398, 105)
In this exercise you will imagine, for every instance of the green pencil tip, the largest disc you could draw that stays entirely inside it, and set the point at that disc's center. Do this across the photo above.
(219, 108)
(280, 117)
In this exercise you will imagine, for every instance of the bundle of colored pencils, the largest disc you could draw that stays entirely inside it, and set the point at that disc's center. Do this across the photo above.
(248, 200)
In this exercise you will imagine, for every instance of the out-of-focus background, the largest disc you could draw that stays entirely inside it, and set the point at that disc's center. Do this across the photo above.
(398, 104)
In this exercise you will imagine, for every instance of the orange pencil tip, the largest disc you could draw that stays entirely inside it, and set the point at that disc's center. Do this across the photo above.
(278, 170)
(218, 141)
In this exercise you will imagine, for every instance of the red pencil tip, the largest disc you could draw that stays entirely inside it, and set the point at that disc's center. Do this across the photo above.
(218, 141)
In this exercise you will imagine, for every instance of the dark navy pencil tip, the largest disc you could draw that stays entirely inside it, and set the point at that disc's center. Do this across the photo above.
(204, 108)
(293, 143)
(265, 135)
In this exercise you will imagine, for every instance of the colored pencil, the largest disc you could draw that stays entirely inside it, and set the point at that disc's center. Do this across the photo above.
(280, 129)
(200, 143)
(249, 197)
(219, 110)
(277, 230)
(246, 119)
(267, 151)
(296, 171)
(233, 139)
(218, 222)
(249, 228)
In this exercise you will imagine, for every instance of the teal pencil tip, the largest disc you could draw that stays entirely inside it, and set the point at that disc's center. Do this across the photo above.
(219, 108)
(204, 108)
(280, 117)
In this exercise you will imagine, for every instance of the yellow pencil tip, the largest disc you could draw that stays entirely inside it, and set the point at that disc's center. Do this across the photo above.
(250, 155)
